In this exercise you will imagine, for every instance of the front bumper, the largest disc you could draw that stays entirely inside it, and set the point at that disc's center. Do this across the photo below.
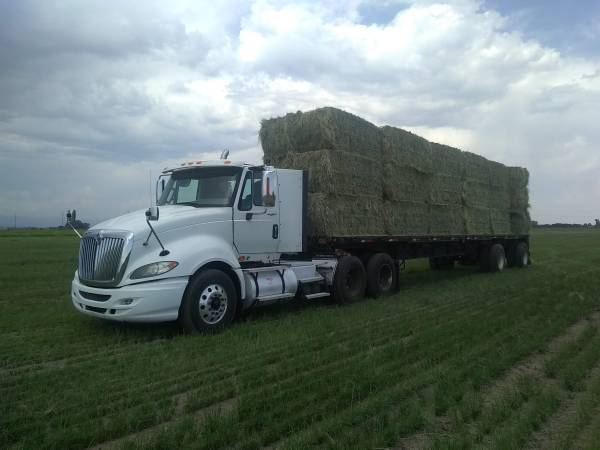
(153, 301)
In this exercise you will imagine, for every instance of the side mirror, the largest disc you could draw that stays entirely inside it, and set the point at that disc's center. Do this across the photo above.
(160, 186)
(268, 188)
(152, 213)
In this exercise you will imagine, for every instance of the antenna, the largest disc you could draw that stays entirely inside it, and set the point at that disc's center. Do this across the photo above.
(150, 185)
(224, 154)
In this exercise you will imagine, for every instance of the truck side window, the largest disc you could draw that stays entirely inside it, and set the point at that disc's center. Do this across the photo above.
(257, 188)
(245, 202)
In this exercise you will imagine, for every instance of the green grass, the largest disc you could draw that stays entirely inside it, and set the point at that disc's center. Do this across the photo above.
(423, 361)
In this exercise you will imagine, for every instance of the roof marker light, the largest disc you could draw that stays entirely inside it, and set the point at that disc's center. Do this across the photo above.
(227, 162)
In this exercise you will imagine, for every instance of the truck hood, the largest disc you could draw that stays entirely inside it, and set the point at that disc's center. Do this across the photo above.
(170, 218)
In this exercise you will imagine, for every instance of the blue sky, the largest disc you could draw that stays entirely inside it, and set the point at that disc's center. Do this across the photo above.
(94, 98)
(573, 27)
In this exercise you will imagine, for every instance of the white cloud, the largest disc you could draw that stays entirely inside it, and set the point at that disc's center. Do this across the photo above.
(120, 91)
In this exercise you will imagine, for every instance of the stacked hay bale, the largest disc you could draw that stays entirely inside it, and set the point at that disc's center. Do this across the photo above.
(343, 155)
(366, 180)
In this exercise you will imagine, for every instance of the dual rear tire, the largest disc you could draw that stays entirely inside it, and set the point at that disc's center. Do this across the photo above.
(352, 280)
(495, 258)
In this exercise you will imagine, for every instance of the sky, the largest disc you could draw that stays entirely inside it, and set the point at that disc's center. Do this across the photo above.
(97, 97)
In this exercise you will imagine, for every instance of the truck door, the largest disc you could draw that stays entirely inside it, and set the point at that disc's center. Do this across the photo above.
(256, 225)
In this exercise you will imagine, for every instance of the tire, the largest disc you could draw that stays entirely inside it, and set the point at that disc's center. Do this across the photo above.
(496, 258)
(209, 304)
(441, 263)
(381, 275)
(521, 255)
(349, 281)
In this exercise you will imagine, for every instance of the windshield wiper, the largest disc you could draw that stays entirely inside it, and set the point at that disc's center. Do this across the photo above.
(194, 204)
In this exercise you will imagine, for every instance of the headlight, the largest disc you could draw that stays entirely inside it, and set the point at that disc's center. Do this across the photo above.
(153, 270)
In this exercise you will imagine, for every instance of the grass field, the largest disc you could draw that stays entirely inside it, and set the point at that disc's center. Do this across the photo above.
(455, 359)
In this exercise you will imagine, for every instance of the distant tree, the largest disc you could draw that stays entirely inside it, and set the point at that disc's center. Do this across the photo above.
(597, 223)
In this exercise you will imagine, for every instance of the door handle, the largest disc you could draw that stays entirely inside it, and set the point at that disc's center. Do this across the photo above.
(275, 233)
(271, 214)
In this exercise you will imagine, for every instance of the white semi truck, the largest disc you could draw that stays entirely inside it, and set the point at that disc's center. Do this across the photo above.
(227, 236)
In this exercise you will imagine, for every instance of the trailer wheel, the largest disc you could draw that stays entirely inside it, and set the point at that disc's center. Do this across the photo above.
(381, 275)
(350, 280)
(519, 255)
(209, 303)
(441, 263)
(496, 258)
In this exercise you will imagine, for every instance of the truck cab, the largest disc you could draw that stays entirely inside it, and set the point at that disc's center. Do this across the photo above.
(211, 248)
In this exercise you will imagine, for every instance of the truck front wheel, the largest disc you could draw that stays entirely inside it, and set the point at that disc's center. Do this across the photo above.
(209, 303)
(350, 280)
(381, 275)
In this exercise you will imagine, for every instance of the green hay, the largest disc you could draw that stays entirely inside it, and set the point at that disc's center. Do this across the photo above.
(477, 220)
(446, 160)
(405, 218)
(500, 221)
(446, 190)
(341, 215)
(476, 168)
(336, 172)
(406, 149)
(405, 183)
(476, 193)
(446, 219)
(519, 222)
(322, 128)
(374, 181)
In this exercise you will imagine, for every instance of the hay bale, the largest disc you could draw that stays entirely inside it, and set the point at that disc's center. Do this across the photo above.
(446, 219)
(406, 218)
(475, 193)
(345, 215)
(477, 220)
(318, 129)
(520, 222)
(405, 183)
(446, 190)
(373, 181)
(446, 160)
(403, 148)
(475, 167)
(337, 172)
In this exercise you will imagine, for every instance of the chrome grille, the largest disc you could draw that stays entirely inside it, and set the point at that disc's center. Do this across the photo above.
(101, 255)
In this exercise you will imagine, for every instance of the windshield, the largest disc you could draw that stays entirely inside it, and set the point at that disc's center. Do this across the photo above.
(210, 186)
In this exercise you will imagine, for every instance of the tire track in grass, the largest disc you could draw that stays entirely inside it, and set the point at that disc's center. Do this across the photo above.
(460, 373)
(564, 428)
(199, 417)
(275, 387)
(408, 291)
(87, 414)
(503, 395)
(388, 336)
(349, 330)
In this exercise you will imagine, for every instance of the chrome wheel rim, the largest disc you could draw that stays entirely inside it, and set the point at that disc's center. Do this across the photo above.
(501, 262)
(212, 304)
(386, 277)
(525, 259)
